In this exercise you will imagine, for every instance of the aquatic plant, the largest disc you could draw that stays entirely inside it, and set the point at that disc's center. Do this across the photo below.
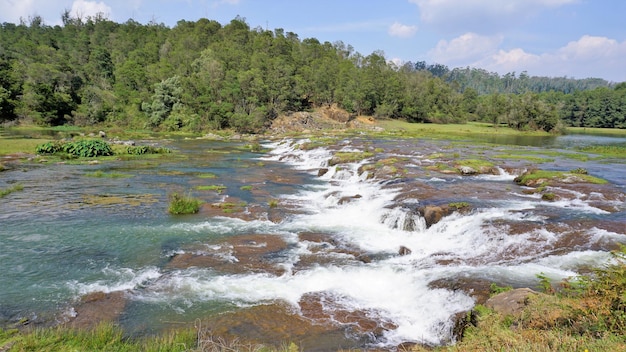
(102, 174)
(87, 148)
(146, 149)
(183, 204)
(15, 188)
(216, 188)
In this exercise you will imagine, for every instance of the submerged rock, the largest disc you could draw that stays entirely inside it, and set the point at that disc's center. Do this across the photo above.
(98, 307)
(237, 254)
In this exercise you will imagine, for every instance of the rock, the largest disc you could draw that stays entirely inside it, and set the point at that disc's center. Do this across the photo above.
(237, 254)
(432, 214)
(404, 251)
(510, 302)
(348, 199)
(102, 134)
(98, 307)
(322, 172)
(467, 170)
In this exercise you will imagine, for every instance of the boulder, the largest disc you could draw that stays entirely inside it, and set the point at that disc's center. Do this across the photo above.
(432, 214)
(404, 251)
(511, 302)
(467, 170)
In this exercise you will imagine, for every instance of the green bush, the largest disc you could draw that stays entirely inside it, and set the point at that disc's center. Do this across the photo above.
(87, 148)
(146, 149)
(183, 204)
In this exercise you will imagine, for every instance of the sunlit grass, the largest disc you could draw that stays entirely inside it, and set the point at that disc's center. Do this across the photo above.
(19, 145)
(451, 130)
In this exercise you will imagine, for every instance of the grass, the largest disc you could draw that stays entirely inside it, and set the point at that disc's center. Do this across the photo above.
(543, 176)
(108, 337)
(246, 188)
(216, 188)
(476, 164)
(102, 174)
(349, 157)
(183, 204)
(449, 131)
(615, 150)
(207, 175)
(598, 131)
(522, 156)
(19, 145)
(230, 207)
(15, 188)
(105, 337)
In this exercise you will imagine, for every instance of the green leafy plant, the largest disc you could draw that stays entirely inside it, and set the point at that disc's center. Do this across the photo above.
(87, 148)
(183, 204)
(146, 149)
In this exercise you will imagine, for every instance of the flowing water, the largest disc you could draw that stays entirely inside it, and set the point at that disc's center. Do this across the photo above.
(339, 232)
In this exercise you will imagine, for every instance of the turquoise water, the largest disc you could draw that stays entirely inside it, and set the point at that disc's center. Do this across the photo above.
(66, 235)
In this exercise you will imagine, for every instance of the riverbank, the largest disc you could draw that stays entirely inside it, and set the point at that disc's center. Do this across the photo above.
(388, 162)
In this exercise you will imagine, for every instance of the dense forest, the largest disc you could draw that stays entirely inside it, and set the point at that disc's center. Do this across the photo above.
(204, 75)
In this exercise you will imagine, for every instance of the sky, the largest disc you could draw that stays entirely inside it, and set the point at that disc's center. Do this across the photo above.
(554, 38)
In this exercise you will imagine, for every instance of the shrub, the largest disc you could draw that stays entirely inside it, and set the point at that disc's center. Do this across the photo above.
(183, 204)
(146, 149)
(88, 148)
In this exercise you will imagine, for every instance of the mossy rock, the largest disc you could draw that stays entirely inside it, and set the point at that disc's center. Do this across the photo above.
(349, 157)
(537, 178)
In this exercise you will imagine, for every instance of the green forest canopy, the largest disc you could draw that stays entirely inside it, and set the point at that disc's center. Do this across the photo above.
(204, 75)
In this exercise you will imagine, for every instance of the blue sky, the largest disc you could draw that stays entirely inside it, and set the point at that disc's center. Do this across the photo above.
(556, 38)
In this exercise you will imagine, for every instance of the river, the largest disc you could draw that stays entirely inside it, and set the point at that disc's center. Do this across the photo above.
(346, 247)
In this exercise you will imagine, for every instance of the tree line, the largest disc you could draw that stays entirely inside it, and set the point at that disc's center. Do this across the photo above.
(201, 75)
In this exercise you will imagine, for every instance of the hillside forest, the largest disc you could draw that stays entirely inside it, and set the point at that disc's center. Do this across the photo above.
(202, 75)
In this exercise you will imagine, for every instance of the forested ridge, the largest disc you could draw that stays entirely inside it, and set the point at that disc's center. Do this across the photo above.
(204, 75)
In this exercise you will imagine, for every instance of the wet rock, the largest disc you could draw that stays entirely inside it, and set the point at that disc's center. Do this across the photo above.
(275, 324)
(467, 170)
(238, 254)
(98, 307)
(348, 199)
(432, 214)
(404, 251)
(322, 172)
(478, 289)
(324, 308)
(511, 302)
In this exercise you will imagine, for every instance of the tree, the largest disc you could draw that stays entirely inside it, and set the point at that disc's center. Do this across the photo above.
(166, 98)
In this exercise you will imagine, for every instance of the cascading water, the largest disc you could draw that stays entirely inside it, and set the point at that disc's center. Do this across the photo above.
(373, 253)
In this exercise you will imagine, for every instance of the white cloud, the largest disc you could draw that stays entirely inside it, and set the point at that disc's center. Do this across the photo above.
(589, 56)
(467, 47)
(401, 30)
(481, 16)
(13, 10)
(84, 9)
